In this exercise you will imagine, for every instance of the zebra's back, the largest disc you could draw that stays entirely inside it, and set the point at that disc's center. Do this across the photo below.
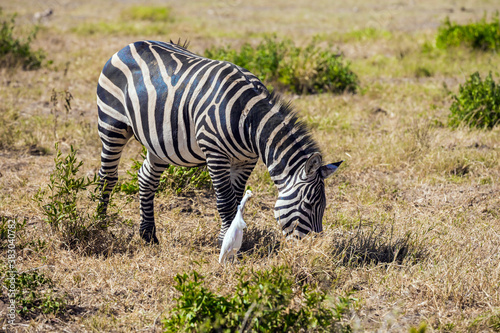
(171, 99)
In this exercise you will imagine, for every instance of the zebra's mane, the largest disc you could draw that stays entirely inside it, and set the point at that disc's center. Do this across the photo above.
(295, 123)
(183, 45)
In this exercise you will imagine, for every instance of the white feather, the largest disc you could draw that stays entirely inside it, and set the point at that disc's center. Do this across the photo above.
(234, 235)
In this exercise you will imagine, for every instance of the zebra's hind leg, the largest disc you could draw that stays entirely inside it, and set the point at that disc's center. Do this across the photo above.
(149, 179)
(113, 141)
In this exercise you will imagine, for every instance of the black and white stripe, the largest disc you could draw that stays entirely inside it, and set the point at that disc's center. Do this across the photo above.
(189, 111)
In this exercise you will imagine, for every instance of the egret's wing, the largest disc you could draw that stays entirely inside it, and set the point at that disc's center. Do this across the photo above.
(238, 240)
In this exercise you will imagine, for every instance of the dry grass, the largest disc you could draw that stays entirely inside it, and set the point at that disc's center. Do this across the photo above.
(412, 226)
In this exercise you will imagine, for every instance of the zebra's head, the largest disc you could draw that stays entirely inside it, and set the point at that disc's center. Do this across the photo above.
(301, 203)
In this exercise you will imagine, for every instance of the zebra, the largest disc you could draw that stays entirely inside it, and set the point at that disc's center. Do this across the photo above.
(188, 110)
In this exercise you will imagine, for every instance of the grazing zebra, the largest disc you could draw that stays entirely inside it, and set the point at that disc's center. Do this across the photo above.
(188, 110)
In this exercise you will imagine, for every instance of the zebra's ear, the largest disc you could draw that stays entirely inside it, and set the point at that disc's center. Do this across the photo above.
(313, 163)
(329, 169)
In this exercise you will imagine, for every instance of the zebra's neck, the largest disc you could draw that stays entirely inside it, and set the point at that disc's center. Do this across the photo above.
(282, 142)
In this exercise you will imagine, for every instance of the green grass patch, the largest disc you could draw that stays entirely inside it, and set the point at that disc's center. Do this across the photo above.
(134, 21)
(422, 328)
(366, 34)
(146, 13)
(134, 28)
(19, 133)
(423, 71)
(494, 322)
(302, 70)
(480, 35)
(264, 301)
(477, 103)
(33, 293)
(16, 51)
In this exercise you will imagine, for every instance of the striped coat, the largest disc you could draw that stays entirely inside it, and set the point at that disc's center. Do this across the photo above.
(188, 110)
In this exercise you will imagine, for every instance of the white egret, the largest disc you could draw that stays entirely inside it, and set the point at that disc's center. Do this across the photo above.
(234, 235)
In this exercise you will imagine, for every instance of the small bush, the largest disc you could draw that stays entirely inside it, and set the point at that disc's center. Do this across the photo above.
(181, 179)
(477, 103)
(132, 186)
(62, 203)
(481, 35)
(266, 301)
(302, 70)
(13, 51)
(175, 178)
(146, 13)
(9, 226)
(34, 293)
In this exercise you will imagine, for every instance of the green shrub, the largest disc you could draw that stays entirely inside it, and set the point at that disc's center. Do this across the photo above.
(11, 224)
(34, 293)
(63, 207)
(13, 51)
(180, 179)
(477, 103)
(132, 186)
(265, 301)
(175, 178)
(307, 69)
(481, 35)
(146, 13)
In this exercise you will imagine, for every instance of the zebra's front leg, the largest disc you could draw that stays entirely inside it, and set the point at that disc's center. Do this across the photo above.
(149, 178)
(240, 172)
(220, 172)
(229, 181)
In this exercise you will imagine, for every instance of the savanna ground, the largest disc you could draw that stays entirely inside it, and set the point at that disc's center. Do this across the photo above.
(412, 225)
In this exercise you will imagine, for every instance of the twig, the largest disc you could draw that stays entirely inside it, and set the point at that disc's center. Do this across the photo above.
(247, 316)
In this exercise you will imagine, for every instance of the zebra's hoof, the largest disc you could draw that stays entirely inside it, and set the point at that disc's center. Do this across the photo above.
(219, 242)
(150, 237)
